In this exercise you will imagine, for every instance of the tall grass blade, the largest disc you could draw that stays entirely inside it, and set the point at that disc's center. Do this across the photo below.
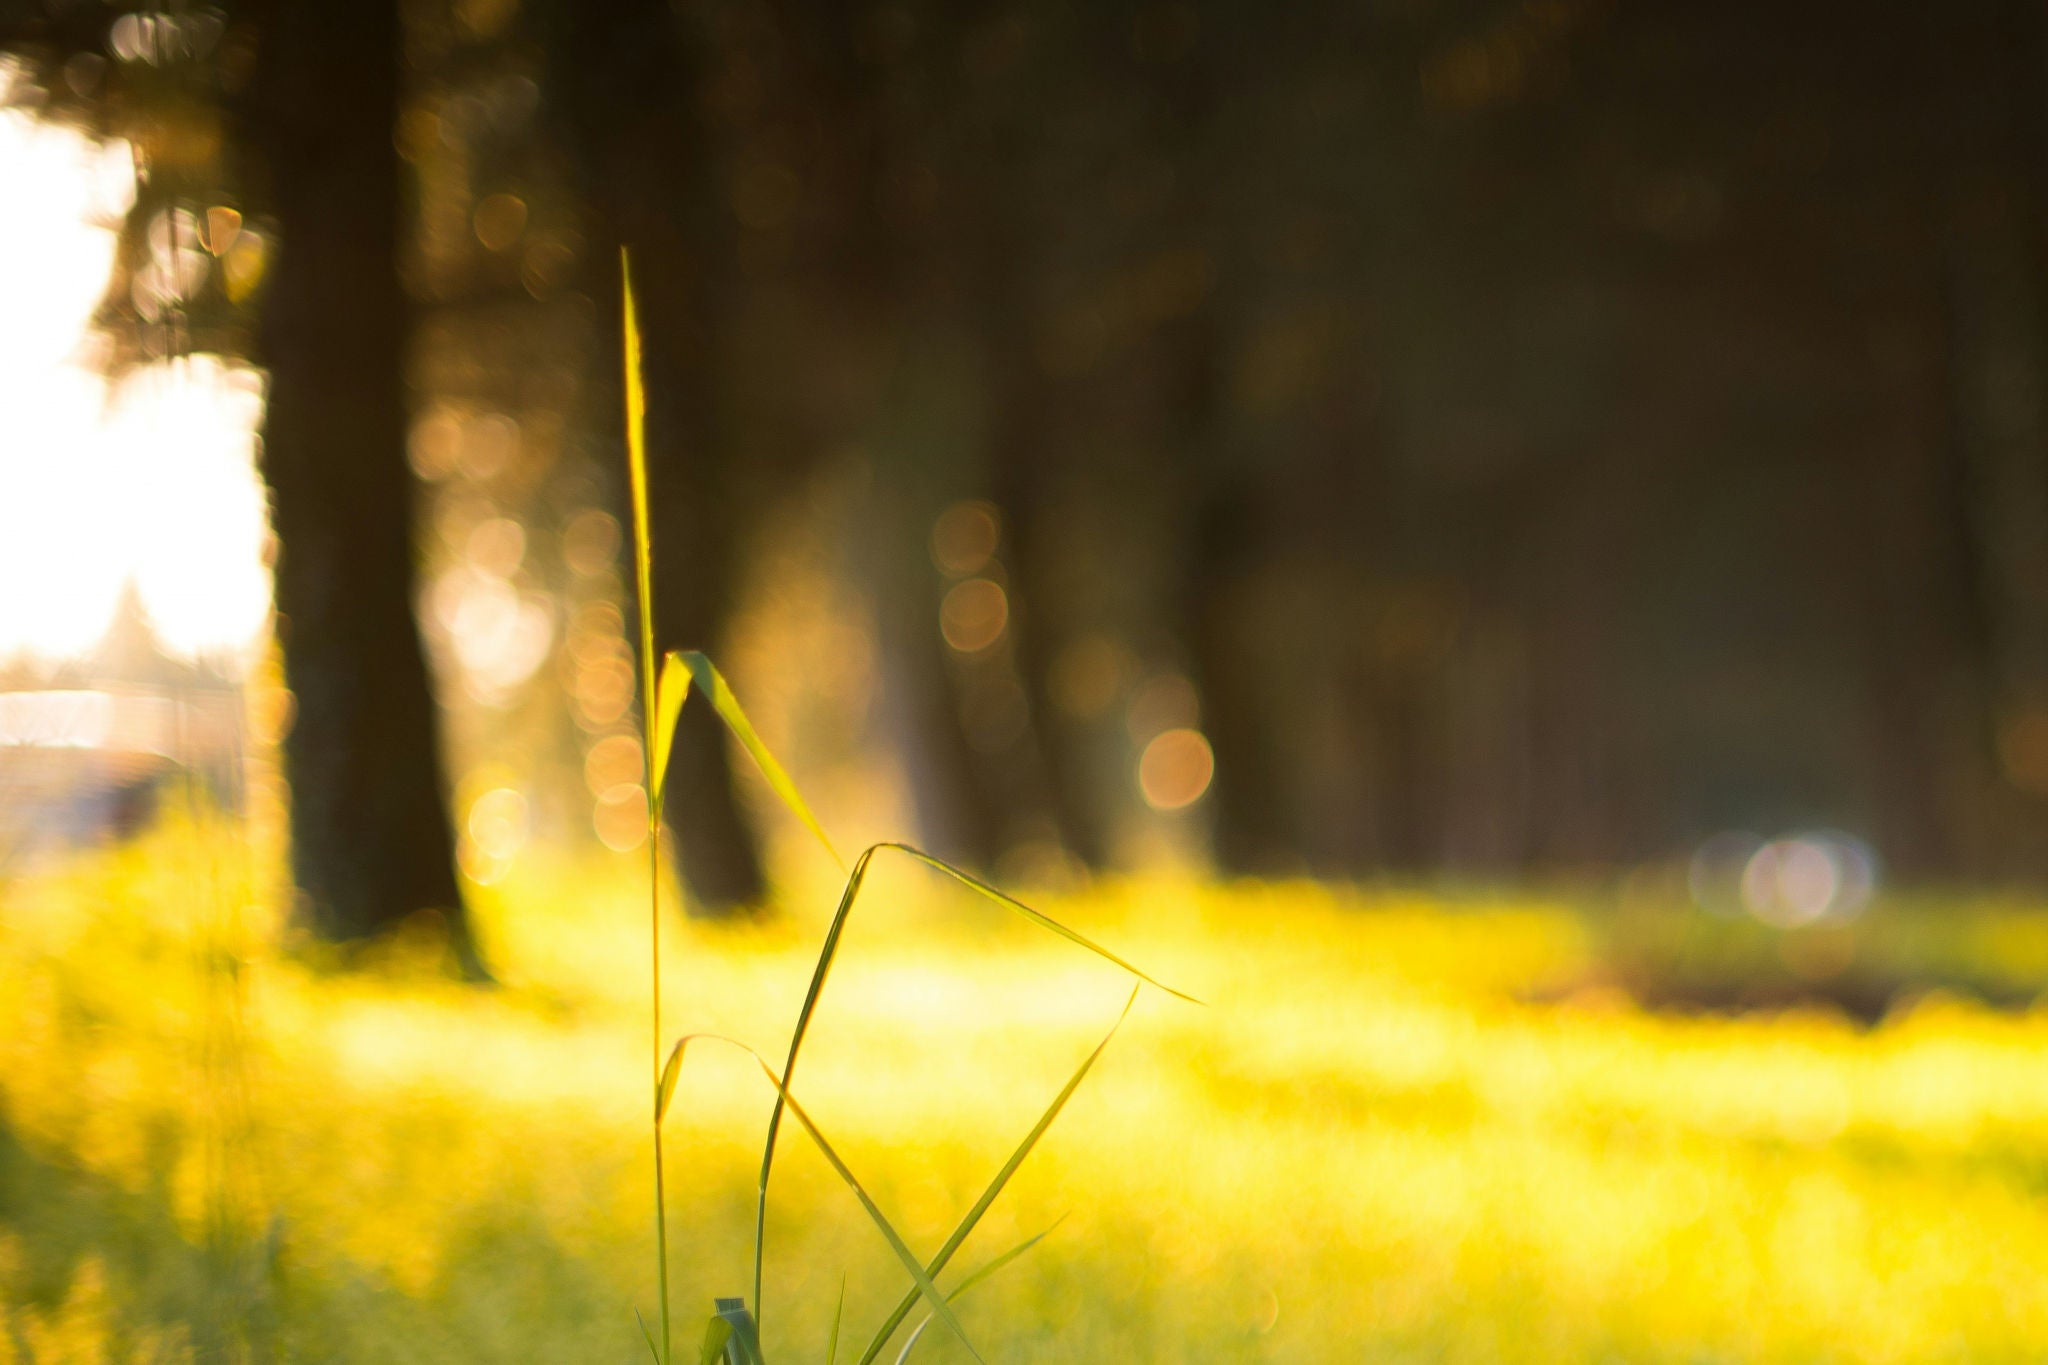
(826, 956)
(838, 1313)
(995, 1187)
(954, 1295)
(636, 469)
(643, 579)
(670, 692)
(712, 684)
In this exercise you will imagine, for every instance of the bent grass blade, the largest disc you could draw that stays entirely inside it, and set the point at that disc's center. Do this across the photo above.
(995, 1187)
(1037, 917)
(717, 1332)
(670, 692)
(665, 1088)
(712, 684)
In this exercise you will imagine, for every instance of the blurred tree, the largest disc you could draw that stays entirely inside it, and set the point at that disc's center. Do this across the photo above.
(371, 842)
(311, 125)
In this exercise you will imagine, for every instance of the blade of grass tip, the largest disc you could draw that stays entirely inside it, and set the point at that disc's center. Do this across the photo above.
(995, 1187)
(1037, 917)
(983, 1272)
(636, 469)
(648, 1337)
(716, 1333)
(712, 685)
(838, 1313)
(826, 956)
(643, 578)
(940, 1308)
(670, 692)
(954, 1295)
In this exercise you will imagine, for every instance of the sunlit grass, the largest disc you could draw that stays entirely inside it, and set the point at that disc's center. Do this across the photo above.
(1396, 1133)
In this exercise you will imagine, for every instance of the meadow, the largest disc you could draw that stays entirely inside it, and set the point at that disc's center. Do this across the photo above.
(1403, 1127)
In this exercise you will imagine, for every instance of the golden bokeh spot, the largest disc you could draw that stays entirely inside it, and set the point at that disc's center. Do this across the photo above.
(496, 546)
(620, 817)
(1175, 769)
(434, 446)
(590, 542)
(614, 761)
(973, 615)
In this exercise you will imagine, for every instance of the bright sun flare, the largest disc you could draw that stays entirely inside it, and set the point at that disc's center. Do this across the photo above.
(148, 479)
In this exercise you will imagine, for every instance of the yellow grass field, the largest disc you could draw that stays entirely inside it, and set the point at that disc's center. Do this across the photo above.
(1396, 1131)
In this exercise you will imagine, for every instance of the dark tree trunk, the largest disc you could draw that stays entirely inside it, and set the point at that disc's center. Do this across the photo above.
(625, 79)
(371, 843)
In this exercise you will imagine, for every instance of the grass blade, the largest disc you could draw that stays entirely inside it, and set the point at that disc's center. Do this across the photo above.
(636, 468)
(712, 685)
(972, 1280)
(643, 579)
(930, 1291)
(665, 1090)
(716, 1333)
(829, 953)
(1039, 918)
(745, 1342)
(648, 1337)
(881, 1220)
(995, 1187)
(670, 692)
(910, 1343)
(838, 1312)
(826, 956)
(983, 1272)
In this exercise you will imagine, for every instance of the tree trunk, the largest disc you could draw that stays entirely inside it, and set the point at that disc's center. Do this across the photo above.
(371, 843)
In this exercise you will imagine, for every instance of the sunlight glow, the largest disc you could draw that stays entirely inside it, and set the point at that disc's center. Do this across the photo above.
(147, 480)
